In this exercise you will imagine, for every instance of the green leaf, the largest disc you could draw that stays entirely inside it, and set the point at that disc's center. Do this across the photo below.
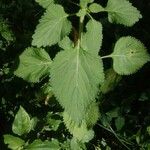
(45, 3)
(82, 132)
(53, 121)
(34, 64)
(75, 76)
(122, 12)
(148, 130)
(5, 31)
(77, 145)
(92, 115)
(14, 143)
(22, 123)
(111, 81)
(33, 122)
(84, 3)
(52, 28)
(92, 39)
(95, 8)
(66, 43)
(119, 123)
(82, 13)
(46, 145)
(79, 132)
(114, 113)
(129, 55)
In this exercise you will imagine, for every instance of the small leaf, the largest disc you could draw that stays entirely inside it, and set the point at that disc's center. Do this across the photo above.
(82, 13)
(122, 12)
(114, 113)
(5, 31)
(129, 55)
(34, 64)
(75, 76)
(92, 39)
(66, 43)
(14, 143)
(95, 8)
(52, 28)
(45, 3)
(53, 121)
(33, 122)
(21, 124)
(119, 123)
(46, 145)
(84, 3)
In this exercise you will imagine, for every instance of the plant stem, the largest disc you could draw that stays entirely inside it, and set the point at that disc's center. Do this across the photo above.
(80, 31)
(113, 132)
(107, 56)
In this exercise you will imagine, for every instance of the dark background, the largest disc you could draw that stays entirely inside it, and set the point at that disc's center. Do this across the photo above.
(23, 16)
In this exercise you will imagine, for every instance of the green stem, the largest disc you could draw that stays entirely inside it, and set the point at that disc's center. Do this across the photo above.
(80, 31)
(119, 138)
(113, 132)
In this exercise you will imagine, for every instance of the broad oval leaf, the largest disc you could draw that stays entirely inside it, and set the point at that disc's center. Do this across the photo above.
(129, 55)
(122, 12)
(22, 123)
(92, 39)
(14, 143)
(43, 145)
(75, 77)
(34, 64)
(45, 3)
(52, 28)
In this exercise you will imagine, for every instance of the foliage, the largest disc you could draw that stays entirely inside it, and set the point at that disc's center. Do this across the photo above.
(65, 76)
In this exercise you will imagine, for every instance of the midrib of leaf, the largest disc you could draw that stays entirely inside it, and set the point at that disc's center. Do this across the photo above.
(123, 55)
(77, 67)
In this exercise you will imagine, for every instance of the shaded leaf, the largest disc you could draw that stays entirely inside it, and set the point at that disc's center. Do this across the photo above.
(111, 81)
(119, 123)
